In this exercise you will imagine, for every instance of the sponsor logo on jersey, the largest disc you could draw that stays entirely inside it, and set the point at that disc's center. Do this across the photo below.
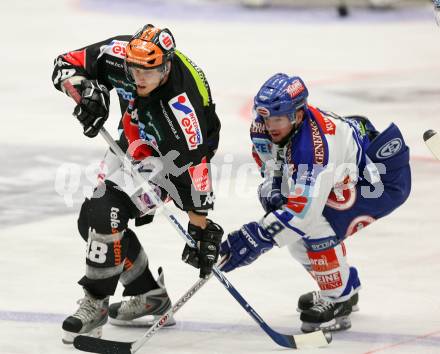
(263, 146)
(359, 223)
(329, 281)
(322, 244)
(295, 88)
(258, 128)
(114, 63)
(327, 125)
(170, 123)
(114, 222)
(187, 118)
(126, 95)
(318, 144)
(323, 261)
(117, 49)
(389, 149)
(343, 195)
(117, 253)
(200, 176)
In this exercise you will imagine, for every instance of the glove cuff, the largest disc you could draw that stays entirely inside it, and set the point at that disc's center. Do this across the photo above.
(195, 232)
(213, 232)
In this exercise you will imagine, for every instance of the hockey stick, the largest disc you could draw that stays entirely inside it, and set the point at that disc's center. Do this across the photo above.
(432, 141)
(290, 341)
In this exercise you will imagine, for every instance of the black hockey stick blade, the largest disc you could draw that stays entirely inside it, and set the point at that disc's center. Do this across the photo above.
(428, 134)
(103, 346)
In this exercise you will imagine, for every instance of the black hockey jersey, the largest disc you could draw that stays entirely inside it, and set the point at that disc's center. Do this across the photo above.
(179, 116)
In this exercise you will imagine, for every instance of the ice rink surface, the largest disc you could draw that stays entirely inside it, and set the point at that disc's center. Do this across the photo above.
(385, 66)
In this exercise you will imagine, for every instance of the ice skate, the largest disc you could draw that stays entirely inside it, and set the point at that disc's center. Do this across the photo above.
(328, 316)
(308, 300)
(88, 320)
(143, 310)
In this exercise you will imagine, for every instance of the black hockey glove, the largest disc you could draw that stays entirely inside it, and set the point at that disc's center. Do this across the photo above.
(93, 109)
(208, 242)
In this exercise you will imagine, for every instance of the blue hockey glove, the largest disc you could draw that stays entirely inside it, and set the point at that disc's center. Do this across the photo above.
(270, 196)
(244, 246)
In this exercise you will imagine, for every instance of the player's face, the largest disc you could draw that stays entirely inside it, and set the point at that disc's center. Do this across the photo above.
(146, 80)
(278, 127)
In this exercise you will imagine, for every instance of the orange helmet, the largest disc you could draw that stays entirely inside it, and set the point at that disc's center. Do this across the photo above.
(149, 48)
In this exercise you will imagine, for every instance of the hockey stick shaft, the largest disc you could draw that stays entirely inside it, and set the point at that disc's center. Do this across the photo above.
(176, 307)
(279, 338)
(176, 224)
(162, 321)
(104, 346)
(136, 174)
(98, 345)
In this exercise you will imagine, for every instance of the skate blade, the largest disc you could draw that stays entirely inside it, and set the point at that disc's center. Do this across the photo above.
(145, 321)
(338, 324)
(68, 337)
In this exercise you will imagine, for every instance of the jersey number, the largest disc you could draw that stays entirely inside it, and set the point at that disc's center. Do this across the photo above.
(274, 228)
(97, 252)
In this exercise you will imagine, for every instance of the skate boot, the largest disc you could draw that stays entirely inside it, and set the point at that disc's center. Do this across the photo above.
(328, 316)
(143, 310)
(310, 299)
(88, 320)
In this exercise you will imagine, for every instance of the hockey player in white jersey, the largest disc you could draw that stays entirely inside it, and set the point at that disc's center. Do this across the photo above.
(325, 177)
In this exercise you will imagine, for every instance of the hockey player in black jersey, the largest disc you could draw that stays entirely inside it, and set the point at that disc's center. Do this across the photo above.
(170, 127)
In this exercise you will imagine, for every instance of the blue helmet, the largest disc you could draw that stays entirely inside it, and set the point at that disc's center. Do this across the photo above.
(281, 95)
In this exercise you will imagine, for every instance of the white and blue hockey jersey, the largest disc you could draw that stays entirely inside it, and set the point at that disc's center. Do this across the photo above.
(329, 173)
